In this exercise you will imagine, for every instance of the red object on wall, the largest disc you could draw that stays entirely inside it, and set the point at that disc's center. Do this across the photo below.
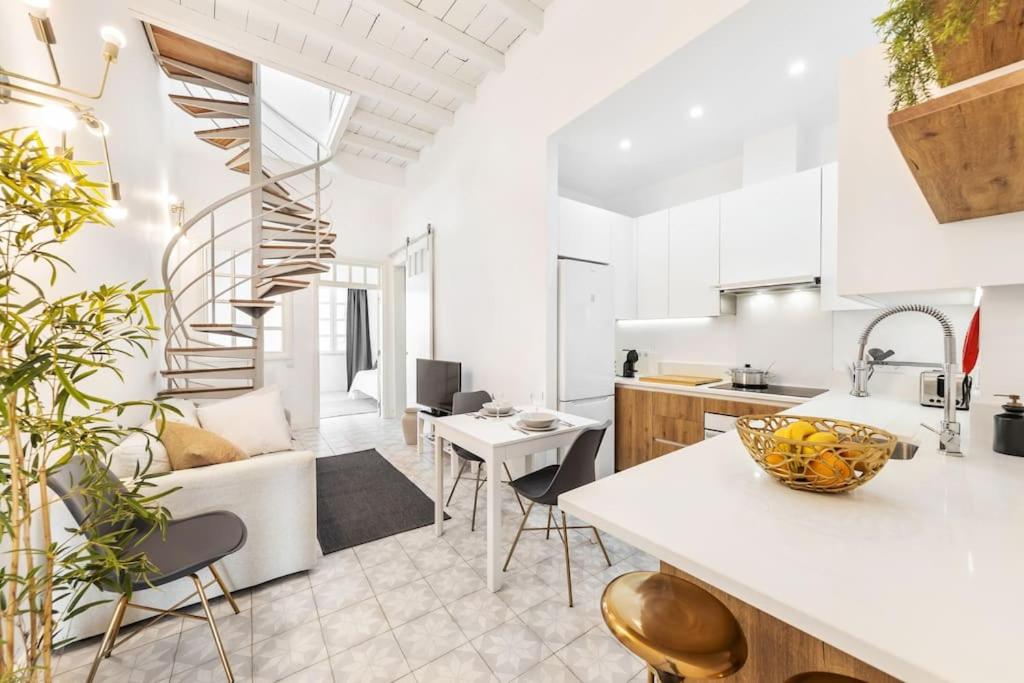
(971, 342)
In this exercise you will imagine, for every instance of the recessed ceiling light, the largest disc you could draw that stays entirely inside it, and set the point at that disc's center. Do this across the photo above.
(696, 112)
(797, 68)
(625, 144)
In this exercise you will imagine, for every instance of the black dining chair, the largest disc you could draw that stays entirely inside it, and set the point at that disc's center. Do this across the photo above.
(545, 486)
(183, 548)
(470, 402)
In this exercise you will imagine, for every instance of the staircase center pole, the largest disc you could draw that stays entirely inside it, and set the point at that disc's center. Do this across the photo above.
(256, 176)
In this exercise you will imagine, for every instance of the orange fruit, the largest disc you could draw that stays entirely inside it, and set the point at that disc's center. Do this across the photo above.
(828, 469)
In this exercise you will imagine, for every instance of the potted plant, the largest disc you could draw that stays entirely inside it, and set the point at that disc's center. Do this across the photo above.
(52, 348)
(947, 41)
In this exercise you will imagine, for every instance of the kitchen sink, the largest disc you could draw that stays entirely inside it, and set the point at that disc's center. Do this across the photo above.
(904, 451)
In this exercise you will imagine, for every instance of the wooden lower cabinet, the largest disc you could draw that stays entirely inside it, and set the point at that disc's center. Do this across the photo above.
(777, 651)
(650, 424)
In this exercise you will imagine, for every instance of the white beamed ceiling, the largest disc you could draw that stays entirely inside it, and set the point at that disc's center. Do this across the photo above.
(435, 52)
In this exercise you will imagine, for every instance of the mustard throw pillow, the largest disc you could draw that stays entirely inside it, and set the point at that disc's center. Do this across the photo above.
(189, 446)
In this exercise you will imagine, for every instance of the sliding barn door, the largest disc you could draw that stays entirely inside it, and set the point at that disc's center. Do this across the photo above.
(419, 309)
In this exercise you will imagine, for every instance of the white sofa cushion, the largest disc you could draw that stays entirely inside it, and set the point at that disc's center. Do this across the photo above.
(136, 451)
(255, 422)
(133, 451)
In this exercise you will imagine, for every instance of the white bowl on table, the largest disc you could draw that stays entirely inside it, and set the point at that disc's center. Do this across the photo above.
(498, 408)
(537, 419)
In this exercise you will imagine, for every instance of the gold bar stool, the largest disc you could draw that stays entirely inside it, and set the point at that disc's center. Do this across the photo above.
(822, 677)
(678, 628)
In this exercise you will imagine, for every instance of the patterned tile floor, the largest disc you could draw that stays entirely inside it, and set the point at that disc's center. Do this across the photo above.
(410, 608)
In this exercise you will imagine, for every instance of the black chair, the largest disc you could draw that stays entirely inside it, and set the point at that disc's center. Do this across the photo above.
(545, 485)
(471, 402)
(184, 547)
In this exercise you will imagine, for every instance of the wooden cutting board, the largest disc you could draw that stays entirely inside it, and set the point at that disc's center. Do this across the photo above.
(684, 380)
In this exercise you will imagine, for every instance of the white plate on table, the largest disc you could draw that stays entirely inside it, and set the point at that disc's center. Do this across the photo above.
(526, 428)
(537, 419)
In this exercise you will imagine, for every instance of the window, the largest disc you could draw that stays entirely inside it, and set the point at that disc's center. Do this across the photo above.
(230, 282)
(334, 286)
(333, 307)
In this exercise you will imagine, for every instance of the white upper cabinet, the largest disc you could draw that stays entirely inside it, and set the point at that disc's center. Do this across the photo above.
(652, 265)
(693, 259)
(584, 231)
(830, 299)
(624, 263)
(772, 231)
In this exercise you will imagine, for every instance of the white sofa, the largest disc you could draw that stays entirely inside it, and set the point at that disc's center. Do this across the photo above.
(274, 494)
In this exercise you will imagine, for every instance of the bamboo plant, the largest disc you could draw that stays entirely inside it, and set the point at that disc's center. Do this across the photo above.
(52, 348)
(912, 30)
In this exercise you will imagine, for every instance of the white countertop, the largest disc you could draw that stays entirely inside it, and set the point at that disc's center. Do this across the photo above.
(920, 572)
(720, 389)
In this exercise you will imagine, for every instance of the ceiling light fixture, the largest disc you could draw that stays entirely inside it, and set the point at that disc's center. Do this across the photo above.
(798, 68)
(625, 144)
(696, 112)
(116, 212)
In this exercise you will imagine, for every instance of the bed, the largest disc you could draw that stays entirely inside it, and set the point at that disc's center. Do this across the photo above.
(364, 385)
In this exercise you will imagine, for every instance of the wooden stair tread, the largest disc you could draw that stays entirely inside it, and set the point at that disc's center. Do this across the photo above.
(210, 373)
(208, 108)
(227, 351)
(205, 392)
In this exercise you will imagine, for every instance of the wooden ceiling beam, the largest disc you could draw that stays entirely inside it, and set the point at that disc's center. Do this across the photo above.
(226, 37)
(297, 18)
(523, 12)
(373, 145)
(385, 125)
(458, 42)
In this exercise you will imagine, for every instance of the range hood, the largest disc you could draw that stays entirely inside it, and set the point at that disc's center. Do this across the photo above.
(778, 285)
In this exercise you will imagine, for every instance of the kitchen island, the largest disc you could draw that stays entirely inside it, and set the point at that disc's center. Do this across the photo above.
(917, 573)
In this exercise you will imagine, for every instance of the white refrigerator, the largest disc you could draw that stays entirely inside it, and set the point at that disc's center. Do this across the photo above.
(586, 348)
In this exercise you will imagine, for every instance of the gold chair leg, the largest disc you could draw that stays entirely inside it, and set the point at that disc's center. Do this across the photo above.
(547, 534)
(516, 539)
(650, 675)
(213, 628)
(226, 592)
(565, 543)
(462, 468)
(109, 637)
(601, 543)
(518, 499)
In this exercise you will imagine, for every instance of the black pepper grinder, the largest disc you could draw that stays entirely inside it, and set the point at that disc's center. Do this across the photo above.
(1009, 427)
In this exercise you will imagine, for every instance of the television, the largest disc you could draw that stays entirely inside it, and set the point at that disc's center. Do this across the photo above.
(437, 382)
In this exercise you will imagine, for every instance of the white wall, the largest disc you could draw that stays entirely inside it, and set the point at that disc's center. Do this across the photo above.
(889, 240)
(489, 183)
(808, 346)
(144, 144)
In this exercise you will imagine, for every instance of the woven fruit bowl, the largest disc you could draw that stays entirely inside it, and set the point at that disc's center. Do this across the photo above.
(816, 454)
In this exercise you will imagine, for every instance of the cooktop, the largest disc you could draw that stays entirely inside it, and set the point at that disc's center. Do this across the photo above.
(777, 389)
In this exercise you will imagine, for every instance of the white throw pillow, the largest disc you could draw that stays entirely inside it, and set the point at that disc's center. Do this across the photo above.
(132, 452)
(188, 411)
(254, 422)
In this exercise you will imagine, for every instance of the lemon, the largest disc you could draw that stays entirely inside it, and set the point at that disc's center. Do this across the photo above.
(828, 469)
(783, 432)
(819, 437)
(800, 430)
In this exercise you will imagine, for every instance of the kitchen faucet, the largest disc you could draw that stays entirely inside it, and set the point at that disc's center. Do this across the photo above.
(949, 428)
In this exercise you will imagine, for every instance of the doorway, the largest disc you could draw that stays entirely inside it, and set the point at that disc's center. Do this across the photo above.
(350, 315)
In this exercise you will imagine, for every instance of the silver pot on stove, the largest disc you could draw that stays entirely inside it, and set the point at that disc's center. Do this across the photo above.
(749, 377)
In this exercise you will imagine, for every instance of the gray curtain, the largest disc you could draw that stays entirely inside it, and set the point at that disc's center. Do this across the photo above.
(358, 355)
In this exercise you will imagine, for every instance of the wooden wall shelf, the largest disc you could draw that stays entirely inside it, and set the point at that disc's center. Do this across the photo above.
(966, 148)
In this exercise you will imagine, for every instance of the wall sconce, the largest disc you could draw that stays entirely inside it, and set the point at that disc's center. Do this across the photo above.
(113, 41)
(177, 211)
(59, 111)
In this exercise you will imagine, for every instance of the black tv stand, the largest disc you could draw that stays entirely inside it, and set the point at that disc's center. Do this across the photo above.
(436, 412)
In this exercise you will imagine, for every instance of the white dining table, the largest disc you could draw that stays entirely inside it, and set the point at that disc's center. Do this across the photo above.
(495, 441)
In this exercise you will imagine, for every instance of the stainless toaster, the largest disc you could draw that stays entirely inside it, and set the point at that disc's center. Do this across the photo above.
(932, 390)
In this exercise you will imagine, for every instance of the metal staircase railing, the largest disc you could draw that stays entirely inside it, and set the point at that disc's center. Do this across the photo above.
(274, 250)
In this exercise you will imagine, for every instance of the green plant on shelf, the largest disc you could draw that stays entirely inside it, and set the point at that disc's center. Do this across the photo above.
(912, 29)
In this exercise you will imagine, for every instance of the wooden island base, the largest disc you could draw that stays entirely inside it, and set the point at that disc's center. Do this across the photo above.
(778, 650)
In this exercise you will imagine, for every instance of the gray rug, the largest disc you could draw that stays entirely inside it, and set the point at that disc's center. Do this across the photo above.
(361, 497)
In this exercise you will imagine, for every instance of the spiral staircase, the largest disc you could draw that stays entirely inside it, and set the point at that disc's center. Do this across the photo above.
(272, 236)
